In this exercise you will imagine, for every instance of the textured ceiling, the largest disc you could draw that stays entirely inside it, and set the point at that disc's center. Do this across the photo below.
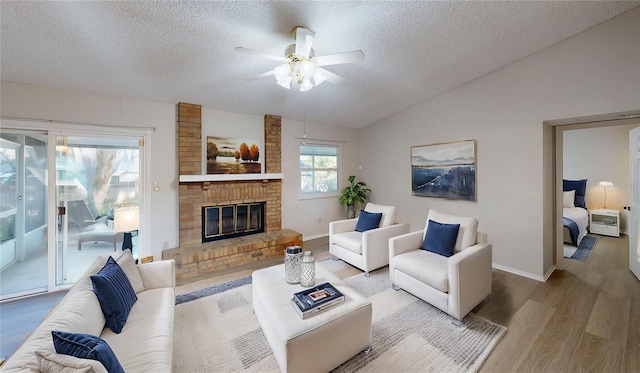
(184, 51)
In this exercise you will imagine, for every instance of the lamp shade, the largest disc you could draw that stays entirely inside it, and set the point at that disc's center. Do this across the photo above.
(307, 69)
(605, 183)
(306, 85)
(126, 219)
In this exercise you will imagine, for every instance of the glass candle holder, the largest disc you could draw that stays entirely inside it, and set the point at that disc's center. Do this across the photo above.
(292, 258)
(308, 270)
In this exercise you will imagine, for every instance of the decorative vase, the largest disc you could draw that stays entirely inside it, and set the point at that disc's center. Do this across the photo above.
(293, 256)
(308, 270)
(351, 211)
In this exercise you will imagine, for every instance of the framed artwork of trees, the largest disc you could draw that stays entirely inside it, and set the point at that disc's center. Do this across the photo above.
(227, 155)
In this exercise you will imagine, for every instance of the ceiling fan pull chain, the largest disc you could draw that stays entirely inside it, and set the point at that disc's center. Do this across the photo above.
(304, 118)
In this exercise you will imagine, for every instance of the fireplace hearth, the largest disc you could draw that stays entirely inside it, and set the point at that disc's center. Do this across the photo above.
(232, 220)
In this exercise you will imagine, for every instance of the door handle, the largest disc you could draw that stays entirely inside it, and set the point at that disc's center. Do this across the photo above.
(19, 198)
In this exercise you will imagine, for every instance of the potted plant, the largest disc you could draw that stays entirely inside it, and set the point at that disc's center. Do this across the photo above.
(353, 195)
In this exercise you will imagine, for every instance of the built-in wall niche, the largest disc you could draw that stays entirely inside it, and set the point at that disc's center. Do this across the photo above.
(233, 220)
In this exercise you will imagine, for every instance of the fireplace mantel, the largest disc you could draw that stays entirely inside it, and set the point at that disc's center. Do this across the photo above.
(229, 177)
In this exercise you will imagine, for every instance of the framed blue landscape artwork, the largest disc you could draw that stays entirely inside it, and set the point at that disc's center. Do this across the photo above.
(444, 170)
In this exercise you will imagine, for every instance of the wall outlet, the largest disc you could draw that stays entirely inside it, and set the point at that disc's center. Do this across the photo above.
(165, 245)
(319, 220)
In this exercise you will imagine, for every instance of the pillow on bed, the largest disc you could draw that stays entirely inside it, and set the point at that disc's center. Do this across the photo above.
(580, 186)
(568, 198)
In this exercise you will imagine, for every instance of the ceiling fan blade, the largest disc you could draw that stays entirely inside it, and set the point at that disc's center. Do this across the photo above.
(270, 72)
(339, 58)
(304, 40)
(258, 53)
(331, 77)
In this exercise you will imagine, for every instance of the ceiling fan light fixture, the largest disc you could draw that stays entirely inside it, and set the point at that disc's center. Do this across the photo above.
(319, 77)
(307, 68)
(306, 85)
(285, 82)
(300, 64)
(282, 72)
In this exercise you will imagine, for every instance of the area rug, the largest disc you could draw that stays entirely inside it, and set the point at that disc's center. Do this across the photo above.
(584, 250)
(220, 333)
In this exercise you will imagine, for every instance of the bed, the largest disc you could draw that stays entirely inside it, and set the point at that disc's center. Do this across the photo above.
(575, 216)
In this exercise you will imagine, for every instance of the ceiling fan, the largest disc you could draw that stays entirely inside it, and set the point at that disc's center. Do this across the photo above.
(301, 65)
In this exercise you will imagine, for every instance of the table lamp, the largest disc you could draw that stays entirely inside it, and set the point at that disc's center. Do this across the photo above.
(605, 184)
(127, 220)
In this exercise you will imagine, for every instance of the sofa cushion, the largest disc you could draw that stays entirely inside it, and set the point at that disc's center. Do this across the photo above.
(368, 220)
(351, 241)
(128, 265)
(388, 213)
(86, 346)
(467, 232)
(115, 293)
(425, 266)
(51, 362)
(440, 238)
(145, 345)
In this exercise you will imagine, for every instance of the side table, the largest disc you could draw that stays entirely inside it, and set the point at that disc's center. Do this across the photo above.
(605, 222)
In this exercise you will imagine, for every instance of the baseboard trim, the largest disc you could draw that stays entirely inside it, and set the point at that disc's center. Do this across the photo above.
(309, 238)
(518, 272)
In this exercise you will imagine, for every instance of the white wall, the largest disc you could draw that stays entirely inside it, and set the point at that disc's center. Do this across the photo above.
(600, 154)
(592, 73)
(311, 217)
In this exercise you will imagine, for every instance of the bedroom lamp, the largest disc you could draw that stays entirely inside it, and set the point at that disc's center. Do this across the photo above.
(605, 184)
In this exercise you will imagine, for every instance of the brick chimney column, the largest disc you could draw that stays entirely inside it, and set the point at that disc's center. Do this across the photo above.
(273, 165)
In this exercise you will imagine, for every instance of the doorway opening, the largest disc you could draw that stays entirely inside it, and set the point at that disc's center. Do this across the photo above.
(553, 146)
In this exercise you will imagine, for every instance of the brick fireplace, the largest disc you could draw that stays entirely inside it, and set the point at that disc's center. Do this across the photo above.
(193, 256)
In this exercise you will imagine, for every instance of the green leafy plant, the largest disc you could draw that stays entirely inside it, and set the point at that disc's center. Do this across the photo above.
(353, 195)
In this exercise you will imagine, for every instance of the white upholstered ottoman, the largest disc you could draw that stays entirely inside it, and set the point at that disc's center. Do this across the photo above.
(318, 343)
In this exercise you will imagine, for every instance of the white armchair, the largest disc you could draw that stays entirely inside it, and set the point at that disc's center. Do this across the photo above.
(366, 250)
(454, 284)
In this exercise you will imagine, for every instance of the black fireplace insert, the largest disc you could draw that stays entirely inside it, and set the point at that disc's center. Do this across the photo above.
(226, 221)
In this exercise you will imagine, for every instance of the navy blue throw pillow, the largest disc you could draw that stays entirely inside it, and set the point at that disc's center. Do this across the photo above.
(440, 238)
(580, 186)
(368, 220)
(86, 346)
(115, 293)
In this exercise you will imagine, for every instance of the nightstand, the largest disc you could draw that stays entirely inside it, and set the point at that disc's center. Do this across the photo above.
(605, 222)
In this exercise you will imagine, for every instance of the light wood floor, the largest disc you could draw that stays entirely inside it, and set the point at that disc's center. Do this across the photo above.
(583, 319)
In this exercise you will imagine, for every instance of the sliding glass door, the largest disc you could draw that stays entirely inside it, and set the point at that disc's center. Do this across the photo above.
(23, 213)
(66, 197)
(97, 191)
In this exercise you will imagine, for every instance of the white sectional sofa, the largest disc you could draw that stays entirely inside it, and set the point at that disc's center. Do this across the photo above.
(143, 345)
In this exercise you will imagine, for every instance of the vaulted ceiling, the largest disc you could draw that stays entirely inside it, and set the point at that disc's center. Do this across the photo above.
(184, 50)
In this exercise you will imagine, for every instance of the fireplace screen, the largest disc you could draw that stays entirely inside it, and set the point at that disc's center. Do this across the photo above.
(228, 221)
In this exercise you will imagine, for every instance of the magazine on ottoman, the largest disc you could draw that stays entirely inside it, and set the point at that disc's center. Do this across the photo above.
(316, 299)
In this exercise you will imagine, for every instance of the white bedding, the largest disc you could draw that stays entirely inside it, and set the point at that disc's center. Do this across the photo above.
(580, 216)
